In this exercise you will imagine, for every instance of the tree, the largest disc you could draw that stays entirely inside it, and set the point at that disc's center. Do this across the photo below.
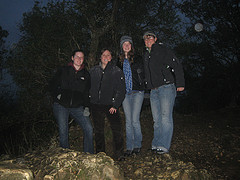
(216, 49)
(3, 94)
(3, 34)
(99, 21)
(52, 32)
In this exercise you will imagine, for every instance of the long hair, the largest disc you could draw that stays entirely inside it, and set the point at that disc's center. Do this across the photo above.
(130, 56)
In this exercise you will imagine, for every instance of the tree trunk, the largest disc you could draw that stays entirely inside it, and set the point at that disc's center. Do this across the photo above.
(92, 58)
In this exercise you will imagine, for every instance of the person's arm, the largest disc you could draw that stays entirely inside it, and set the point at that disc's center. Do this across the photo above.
(119, 87)
(54, 84)
(178, 71)
(87, 89)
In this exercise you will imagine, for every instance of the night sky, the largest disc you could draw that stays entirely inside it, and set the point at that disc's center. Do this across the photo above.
(11, 12)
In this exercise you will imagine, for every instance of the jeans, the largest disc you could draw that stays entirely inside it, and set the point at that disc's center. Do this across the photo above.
(162, 102)
(99, 112)
(62, 114)
(132, 105)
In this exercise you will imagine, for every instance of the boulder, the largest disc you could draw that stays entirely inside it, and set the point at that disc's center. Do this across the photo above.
(61, 163)
(9, 170)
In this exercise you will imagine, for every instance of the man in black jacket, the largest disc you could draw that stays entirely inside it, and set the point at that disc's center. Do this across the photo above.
(164, 76)
(70, 90)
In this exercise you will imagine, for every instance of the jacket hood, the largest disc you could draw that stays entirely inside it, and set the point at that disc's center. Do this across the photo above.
(71, 64)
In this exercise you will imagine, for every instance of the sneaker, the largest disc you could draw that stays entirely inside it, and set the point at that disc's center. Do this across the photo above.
(136, 150)
(159, 151)
(119, 158)
(127, 153)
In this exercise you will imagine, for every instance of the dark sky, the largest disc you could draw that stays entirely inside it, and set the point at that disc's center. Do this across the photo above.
(11, 12)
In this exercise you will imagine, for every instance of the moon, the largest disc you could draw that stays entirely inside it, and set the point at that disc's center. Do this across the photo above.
(198, 27)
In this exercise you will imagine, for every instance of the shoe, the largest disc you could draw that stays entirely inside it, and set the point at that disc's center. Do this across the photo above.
(121, 158)
(136, 150)
(159, 151)
(127, 153)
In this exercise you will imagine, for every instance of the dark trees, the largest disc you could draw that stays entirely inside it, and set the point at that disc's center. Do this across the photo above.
(3, 34)
(52, 32)
(49, 34)
(211, 57)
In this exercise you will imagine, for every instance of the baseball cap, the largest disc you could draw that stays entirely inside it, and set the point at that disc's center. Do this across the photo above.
(149, 33)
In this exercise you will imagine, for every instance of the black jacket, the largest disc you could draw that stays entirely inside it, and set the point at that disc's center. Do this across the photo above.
(137, 73)
(107, 86)
(70, 87)
(162, 67)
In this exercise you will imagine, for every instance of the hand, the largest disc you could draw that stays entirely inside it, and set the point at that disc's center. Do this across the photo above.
(112, 110)
(180, 88)
(59, 97)
(86, 111)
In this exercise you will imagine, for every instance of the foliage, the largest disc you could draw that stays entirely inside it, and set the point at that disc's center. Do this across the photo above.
(3, 51)
(211, 57)
(3, 34)
(50, 33)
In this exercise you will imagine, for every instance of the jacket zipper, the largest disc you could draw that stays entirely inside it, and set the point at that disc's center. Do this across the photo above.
(71, 101)
(149, 56)
(99, 91)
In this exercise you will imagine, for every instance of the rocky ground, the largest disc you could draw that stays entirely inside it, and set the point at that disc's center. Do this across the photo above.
(209, 141)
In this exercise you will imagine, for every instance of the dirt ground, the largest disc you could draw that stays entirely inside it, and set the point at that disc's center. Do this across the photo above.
(209, 140)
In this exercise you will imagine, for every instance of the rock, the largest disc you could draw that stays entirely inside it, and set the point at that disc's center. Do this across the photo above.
(138, 172)
(11, 171)
(61, 163)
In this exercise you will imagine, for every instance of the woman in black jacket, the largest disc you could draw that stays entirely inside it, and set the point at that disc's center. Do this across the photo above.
(106, 95)
(70, 90)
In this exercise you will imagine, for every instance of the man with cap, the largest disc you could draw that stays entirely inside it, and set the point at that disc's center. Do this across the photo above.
(163, 77)
(132, 66)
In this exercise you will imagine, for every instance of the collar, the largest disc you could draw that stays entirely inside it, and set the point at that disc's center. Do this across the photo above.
(81, 67)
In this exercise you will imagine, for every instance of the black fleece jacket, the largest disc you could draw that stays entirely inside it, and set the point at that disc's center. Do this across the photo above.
(107, 85)
(70, 87)
(162, 67)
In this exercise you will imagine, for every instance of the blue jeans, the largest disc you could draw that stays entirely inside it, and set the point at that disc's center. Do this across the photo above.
(62, 114)
(132, 105)
(162, 102)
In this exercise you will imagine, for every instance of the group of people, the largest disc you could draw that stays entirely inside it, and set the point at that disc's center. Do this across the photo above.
(101, 91)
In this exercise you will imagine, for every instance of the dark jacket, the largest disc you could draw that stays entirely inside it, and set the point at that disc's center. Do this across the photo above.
(70, 87)
(137, 73)
(107, 86)
(162, 67)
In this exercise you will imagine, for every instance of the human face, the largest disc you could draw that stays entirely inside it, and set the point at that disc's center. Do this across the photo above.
(149, 41)
(127, 46)
(78, 59)
(106, 57)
